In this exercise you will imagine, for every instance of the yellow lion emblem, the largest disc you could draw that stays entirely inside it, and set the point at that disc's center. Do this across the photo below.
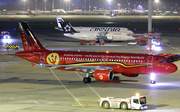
(53, 59)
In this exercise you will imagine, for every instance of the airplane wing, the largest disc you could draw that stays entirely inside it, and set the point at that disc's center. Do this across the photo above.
(85, 69)
(101, 36)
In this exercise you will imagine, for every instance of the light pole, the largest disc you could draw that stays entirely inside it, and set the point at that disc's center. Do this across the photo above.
(66, 5)
(109, 2)
(119, 5)
(45, 5)
(69, 5)
(60, 4)
(149, 26)
(52, 5)
(89, 5)
(85, 5)
(36, 6)
(24, 4)
(157, 1)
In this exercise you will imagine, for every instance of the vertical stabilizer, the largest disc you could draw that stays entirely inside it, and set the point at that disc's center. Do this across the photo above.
(59, 20)
(29, 40)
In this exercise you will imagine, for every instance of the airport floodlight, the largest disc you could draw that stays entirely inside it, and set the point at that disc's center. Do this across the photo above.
(119, 5)
(156, 1)
(109, 1)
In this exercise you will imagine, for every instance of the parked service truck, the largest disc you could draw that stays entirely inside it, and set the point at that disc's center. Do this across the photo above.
(135, 102)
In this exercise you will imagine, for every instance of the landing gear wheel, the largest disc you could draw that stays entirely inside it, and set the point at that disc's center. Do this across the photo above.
(87, 79)
(153, 81)
(105, 105)
(124, 106)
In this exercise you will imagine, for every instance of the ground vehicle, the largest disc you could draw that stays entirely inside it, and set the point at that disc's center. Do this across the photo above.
(5, 34)
(143, 42)
(11, 46)
(132, 43)
(156, 42)
(135, 102)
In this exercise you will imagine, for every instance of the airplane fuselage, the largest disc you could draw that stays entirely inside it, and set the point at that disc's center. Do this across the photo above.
(120, 62)
(109, 33)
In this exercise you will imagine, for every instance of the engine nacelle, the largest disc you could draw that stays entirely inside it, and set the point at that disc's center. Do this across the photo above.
(104, 75)
(109, 36)
(130, 75)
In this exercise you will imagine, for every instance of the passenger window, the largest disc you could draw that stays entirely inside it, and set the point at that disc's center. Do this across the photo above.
(164, 61)
(160, 61)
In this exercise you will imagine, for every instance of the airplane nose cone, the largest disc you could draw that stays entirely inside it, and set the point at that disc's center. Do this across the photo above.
(173, 68)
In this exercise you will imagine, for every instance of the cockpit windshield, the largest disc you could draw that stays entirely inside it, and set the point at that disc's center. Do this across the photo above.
(129, 35)
(143, 100)
(164, 61)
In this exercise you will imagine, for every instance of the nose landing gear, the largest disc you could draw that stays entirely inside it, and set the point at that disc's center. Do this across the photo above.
(153, 81)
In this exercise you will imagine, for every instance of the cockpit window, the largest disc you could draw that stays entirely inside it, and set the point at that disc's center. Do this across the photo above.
(160, 61)
(164, 61)
(128, 34)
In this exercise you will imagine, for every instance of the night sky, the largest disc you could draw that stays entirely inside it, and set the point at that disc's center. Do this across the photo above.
(80, 4)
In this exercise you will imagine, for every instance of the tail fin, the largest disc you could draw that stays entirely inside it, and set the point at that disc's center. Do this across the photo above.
(65, 25)
(59, 20)
(29, 40)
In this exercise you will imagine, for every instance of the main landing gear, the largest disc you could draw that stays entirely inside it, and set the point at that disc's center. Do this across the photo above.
(87, 79)
(153, 81)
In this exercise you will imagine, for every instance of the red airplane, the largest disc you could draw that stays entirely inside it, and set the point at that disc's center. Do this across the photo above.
(100, 65)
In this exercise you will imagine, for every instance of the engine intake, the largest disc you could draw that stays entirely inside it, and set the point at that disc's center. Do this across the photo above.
(104, 75)
(130, 75)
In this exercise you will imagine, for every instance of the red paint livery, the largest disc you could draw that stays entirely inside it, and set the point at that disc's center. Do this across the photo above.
(100, 65)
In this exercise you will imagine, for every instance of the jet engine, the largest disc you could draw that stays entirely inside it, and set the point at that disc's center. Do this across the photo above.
(104, 75)
(130, 75)
(109, 36)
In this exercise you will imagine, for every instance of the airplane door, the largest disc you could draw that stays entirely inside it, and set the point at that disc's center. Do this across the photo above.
(149, 61)
(42, 57)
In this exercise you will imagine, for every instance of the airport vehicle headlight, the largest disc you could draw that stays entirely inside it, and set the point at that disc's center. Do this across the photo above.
(142, 108)
(6, 36)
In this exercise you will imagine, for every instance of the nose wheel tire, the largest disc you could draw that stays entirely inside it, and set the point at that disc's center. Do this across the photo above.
(87, 79)
(153, 81)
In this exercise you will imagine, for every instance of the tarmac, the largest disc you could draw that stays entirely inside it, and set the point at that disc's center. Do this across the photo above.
(40, 89)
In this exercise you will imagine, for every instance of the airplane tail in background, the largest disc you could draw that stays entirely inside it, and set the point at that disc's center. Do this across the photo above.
(65, 25)
(59, 20)
(29, 40)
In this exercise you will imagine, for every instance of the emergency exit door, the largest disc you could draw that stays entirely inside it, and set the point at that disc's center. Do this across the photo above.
(150, 61)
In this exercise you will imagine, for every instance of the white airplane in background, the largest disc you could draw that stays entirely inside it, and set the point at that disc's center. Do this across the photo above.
(94, 33)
